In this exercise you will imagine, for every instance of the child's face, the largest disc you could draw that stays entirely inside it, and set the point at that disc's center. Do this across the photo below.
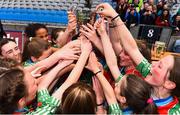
(160, 4)
(125, 59)
(132, 11)
(178, 18)
(146, 5)
(121, 1)
(165, 13)
(150, 8)
(136, 1)
(12, 51)
(42, 33)
(160, 71)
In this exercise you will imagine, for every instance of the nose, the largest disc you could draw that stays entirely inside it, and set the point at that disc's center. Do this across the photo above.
(36, 82)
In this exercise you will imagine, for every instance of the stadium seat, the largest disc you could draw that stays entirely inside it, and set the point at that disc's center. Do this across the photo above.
(22, 14)
(34, 10)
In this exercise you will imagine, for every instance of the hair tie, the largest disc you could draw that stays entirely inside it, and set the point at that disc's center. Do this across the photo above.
(97, 72)
(150, 101)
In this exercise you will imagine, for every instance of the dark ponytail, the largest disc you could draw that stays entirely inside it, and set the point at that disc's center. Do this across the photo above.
(12, 89)
(31, 29)
(25, 54)
(138, 93)
(175, 77)
(150, 108)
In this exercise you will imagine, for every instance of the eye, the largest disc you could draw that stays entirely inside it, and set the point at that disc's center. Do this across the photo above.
(16, 48)
(9, 52)
(41, 36)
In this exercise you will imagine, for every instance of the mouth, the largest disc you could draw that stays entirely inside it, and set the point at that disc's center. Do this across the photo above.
(150, 74)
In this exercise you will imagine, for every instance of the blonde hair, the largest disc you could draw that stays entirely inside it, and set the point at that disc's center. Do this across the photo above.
(80, 99)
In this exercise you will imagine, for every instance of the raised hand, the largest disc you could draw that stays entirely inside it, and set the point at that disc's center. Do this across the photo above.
(100, 26)
(89, 32)
(106, 10)
(69, 53)
(65, 63)
(85, 45)
(93, 64)
(72, 44)
(37, 72)
(98, 90)
(72, 22)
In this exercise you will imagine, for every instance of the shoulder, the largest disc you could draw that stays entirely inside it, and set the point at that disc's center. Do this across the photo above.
(176, 107)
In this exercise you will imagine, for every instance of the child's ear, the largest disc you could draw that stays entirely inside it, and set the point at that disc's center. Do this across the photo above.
(33, 59)
(121, 99)
(37, 72)
(169, 85)
(54, 40)
(22, 102)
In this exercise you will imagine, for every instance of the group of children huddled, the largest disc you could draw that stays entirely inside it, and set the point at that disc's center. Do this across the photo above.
(100, 72)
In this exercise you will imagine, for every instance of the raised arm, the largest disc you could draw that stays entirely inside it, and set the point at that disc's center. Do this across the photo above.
(125, 36)
(76, 72)
(60, 73)
(109, 52)
(67, 52)
(72, 22)
(49, 77)
(115, 40)
(90, 32)
(93, 65)
(99, 96)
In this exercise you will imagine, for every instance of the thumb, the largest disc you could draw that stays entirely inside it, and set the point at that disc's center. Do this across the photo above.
(87, 67)
(38, 70)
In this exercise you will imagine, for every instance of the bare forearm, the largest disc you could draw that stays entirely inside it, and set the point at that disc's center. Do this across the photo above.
(127, 41)
(48, 62)
(49, 77)
(74, 75)
(124, 34)
(101, 110)
(76, 72)
(110, 56)
(65, 36)
(66, 69)
(108, 90)
(115, 40)
(98, 44)
(62, 72)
